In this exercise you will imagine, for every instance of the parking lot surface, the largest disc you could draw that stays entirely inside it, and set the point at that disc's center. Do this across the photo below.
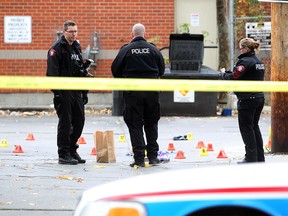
(33, 183)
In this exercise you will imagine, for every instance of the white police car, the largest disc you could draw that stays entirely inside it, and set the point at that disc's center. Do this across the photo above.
(248, 189)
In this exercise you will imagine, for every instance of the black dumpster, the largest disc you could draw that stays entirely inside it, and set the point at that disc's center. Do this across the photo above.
(186, 53)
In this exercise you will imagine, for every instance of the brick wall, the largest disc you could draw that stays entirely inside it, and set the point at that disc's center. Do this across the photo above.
(111, 19)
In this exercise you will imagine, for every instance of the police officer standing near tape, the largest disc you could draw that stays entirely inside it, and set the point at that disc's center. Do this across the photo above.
(250, 104)
(64, 60)
(141, 59)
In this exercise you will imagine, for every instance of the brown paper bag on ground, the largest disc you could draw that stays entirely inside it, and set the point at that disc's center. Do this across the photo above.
(104, 144)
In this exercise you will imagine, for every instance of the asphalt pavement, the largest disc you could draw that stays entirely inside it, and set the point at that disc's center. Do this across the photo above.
(33, 183)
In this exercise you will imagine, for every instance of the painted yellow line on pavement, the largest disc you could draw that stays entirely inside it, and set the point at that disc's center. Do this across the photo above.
(67, 83)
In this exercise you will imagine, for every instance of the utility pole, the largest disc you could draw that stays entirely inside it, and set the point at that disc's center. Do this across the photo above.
(279, 72)
(223, 35)
(231, 29)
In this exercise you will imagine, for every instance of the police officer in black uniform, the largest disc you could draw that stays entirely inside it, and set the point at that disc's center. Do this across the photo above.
(64, 59)
(250, 104)
(141, 59)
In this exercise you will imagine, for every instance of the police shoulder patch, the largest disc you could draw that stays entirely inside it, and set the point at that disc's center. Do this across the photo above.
(52, 52)
(240, 68)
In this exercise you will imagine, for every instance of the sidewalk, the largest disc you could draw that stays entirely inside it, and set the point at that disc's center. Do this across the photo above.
(33, 183)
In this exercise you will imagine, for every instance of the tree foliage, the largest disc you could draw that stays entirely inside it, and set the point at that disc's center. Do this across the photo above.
(250, 8)
(249, 11)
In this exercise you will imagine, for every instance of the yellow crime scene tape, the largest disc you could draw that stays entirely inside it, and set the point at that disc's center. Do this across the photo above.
(84, 83)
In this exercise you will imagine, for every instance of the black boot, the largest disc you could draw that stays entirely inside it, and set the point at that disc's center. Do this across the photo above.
(137, 164)
(77, 157)
(67, 159)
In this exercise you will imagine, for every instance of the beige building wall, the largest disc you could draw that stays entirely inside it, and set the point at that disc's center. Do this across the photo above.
(202, 19)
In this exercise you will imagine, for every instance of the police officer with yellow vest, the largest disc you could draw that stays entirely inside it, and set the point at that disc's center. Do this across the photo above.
(140, 59)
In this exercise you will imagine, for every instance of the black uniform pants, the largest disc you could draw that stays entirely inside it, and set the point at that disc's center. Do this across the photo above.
(249, 111)
(142, 109)
(70, 110)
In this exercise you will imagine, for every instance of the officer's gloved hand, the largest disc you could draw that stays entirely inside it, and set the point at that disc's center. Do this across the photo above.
(85, 98)
(222, 73)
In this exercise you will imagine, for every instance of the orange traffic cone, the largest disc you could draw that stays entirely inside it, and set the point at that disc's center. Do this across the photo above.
(93, 151)
(222, 154)
(171, 147)
(81, 140)
(180, 155)
(269, 144)
(200, 145)
(30, 137)
(18, 149)
(210, 147)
